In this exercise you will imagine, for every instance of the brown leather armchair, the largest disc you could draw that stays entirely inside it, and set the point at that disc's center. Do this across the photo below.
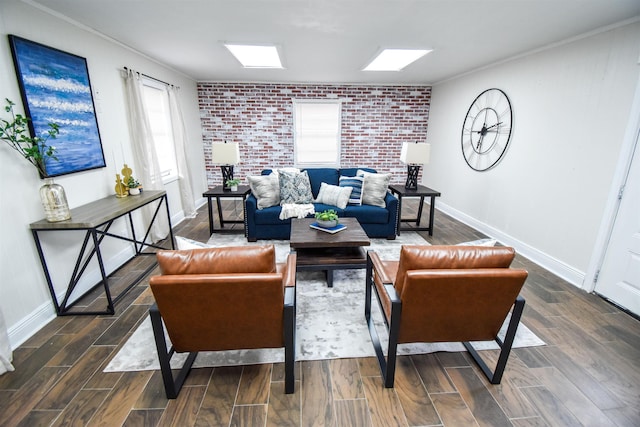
(445, 294)
(223, 299)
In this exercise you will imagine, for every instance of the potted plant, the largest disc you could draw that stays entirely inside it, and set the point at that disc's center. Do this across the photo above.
(232, 184)
(134, 186)
(35, 149)
(327, 219)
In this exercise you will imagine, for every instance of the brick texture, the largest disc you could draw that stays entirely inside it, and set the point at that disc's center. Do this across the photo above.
(376, 120)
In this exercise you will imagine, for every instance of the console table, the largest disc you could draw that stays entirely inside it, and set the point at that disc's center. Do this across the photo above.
(400, 191)
(96, 218)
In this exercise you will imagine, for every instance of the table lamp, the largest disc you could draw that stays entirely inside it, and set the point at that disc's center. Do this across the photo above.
(226, 155)
(414, 155)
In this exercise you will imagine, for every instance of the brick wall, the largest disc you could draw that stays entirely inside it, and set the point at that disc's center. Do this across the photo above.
(376, 120)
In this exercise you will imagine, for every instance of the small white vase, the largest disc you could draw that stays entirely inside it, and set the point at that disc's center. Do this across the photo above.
(234, 188)
(134, 191)
(54, 201)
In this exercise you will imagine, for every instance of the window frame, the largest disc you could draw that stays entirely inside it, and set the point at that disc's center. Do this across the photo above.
(338, 141)
(172, 175)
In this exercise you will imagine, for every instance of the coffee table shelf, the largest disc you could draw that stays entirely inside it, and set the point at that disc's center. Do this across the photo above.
(320, 251)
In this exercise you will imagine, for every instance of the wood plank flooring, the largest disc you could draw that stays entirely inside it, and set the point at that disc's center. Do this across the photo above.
(587, 375)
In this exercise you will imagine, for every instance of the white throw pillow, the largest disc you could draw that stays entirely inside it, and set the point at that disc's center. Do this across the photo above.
(334, 195)
(374, 188)
(183, 243)
(266, 188)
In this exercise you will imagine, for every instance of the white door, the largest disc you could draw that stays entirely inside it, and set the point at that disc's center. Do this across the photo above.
(619, 278)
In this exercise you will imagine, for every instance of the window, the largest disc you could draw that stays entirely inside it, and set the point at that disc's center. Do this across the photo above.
(156, 102)
(317, 133)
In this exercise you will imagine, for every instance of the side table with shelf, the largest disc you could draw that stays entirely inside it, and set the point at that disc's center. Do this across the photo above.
(218, 192)
(400, 191)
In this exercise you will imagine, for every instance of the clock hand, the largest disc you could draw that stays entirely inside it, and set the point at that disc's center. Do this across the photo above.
(492, 126)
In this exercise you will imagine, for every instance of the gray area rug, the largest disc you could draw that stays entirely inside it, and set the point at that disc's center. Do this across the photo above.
(330, 322)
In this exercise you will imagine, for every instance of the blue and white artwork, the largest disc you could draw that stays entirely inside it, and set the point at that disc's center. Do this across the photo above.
(56, 89)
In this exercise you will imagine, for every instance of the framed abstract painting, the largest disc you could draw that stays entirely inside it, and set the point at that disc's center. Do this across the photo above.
(55, 88)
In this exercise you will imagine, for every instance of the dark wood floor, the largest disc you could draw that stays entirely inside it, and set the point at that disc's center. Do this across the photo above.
(587, 374)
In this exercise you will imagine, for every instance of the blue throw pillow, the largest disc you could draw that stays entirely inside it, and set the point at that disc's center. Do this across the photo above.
(355, 182)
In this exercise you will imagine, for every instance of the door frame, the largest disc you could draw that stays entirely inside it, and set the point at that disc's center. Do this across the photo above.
(630, 143)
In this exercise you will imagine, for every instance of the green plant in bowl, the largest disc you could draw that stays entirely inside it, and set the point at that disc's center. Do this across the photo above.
(327, 218)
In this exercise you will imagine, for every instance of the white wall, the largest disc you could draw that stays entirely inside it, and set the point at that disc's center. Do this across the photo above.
(547, 196)
(24, 296)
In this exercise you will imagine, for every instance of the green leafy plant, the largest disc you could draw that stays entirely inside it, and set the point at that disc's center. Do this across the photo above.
(133, 183)
(35, 149)
(328, 215)
(232, 182)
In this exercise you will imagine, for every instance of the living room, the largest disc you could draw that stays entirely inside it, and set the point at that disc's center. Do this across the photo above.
(551, 197)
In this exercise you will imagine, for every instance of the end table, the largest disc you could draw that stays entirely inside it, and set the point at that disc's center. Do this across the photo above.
(400, 191)
(219, 192)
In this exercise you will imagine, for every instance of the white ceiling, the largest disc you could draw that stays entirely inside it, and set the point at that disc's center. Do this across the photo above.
(330, 41)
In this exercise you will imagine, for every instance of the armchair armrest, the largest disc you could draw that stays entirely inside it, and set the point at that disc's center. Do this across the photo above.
(378, 268)
(289, 273)
(250, 208)
(391, 201)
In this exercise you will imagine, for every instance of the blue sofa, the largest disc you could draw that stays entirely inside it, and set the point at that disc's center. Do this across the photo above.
(376, 221)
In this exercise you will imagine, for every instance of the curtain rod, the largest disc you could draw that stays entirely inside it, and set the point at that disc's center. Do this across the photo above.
(152, 78)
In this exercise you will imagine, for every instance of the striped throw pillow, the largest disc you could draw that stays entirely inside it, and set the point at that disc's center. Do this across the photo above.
(354, 182)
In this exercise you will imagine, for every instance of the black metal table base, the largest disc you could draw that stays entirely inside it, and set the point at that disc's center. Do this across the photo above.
(90, 249)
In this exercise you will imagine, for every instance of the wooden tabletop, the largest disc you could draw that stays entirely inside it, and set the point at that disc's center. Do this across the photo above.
(303, 236)
(100, 211)
(221, 191)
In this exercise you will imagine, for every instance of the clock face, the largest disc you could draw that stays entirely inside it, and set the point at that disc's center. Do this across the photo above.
(487, 130)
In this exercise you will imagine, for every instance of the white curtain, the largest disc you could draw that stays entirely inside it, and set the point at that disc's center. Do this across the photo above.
(6, 355)
(146, 166)
(180, 140)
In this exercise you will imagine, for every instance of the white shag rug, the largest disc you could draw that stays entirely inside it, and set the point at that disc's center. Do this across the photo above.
(330, 322)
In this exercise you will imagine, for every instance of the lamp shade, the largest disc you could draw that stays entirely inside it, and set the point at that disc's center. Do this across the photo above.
(225, 153)
(415, 153)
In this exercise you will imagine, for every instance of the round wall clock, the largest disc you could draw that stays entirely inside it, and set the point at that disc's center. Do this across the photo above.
(487, 129)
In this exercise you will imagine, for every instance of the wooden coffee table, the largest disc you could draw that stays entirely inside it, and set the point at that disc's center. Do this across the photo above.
(318, 250)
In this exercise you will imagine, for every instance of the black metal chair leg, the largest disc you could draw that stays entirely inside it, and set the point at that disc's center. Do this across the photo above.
(505, 347)
(289, 341)
(171, 386)
(388, 365)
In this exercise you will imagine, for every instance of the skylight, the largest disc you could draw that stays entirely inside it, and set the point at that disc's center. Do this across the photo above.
(395, 59)
(255, 56)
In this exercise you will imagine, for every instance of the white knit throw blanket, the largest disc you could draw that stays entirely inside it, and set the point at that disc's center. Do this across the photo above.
(295, 210)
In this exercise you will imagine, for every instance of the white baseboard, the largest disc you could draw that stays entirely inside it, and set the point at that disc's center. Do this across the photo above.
(557, 267)
(29, 325)
(38, 318)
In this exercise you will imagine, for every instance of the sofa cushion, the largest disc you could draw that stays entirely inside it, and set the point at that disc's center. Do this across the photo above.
(266, 189)
(355, 182)
(270, 216)
(334, 195)
(354, 171)
(294, 187)
(367, 214)
(374, 188)
(319, 175)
